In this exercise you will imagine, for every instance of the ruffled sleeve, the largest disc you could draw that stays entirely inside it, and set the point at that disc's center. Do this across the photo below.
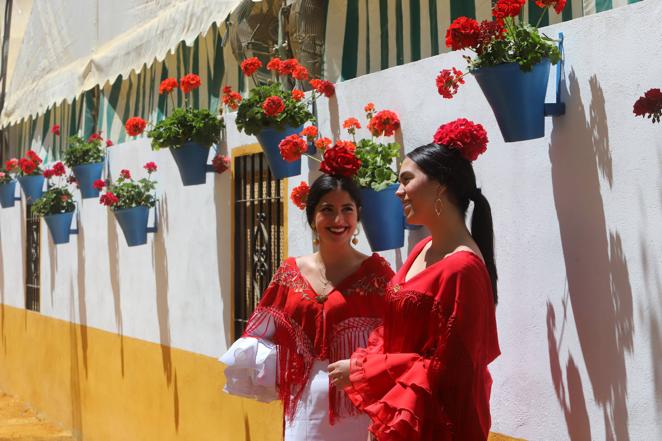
(443, 395)
(251, 365)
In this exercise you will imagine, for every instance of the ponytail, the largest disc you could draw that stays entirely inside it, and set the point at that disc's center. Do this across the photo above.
(483, 233)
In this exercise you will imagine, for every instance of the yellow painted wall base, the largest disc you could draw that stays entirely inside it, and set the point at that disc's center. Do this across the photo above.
(106, 387)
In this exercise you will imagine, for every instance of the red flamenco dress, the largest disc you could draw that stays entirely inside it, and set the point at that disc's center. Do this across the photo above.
(423, 375)
(292, 337)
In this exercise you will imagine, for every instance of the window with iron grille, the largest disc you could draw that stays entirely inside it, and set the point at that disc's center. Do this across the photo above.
(33, 231)
(259, 233)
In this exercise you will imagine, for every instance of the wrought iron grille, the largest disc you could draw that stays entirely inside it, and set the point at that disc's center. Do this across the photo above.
(32, 260)
(259, 233)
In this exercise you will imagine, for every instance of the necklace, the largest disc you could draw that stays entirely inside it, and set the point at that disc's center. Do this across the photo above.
(321, 297)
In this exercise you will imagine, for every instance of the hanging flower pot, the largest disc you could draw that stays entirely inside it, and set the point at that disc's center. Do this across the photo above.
(269, 138)
(60, 226)
(133, 222)
(32, 187)
(86, 174)
(381, 216)
(517, 98)
(7, 192)
(191, 159)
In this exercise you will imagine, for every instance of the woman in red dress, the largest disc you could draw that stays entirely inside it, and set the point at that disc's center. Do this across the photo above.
(423, 375)
(318, 308)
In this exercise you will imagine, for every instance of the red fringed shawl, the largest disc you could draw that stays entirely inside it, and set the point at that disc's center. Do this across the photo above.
(424, 376)
(309, 330)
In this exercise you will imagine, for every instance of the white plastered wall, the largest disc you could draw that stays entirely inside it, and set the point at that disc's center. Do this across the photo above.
(577, 218)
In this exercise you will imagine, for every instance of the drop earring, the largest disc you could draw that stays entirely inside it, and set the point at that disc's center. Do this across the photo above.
(316, 238)
(355, 238)
(438, 209)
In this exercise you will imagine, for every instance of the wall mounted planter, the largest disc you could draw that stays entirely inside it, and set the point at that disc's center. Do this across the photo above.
(269, 138)
(133, 222)
(382, 219)
(7, 194)
(60, 226)
(86, 174)
(32, 186)
(191, 159)
(517, 98)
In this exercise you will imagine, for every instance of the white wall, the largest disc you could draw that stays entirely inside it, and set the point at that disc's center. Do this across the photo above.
(577, 223)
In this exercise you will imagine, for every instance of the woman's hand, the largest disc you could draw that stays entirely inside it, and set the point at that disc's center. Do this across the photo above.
(339, 374)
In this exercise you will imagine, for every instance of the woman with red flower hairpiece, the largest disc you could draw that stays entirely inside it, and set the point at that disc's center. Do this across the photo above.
(423, 375)
(318, 308)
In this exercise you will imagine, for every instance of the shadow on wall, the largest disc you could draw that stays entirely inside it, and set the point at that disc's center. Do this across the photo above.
(597, 274)
(160, 262)
(650, 257)
(2, 297)
(114, 272)
(82, 295)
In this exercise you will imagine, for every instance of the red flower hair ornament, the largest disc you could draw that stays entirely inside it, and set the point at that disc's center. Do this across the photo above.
(465, 136)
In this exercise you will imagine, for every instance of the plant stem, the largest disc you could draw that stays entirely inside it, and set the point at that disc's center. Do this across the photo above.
(542, 15)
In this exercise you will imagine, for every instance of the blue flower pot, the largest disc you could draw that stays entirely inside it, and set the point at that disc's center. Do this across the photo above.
(32, 187)
(382, 219)
(517, 98)
(133, 222)
(191, 159)
(7, 192)
(60, 226)
(269, 138)
(86, 174)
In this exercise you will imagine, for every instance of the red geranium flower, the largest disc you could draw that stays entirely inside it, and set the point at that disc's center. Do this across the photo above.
(324, 87)
(231, 98)
(649, 105)
(462, 33)
(292, 147)
(369, 110)
(507, 8)
(557, 4)
(135, 126)
(297, 95)
(340, 161)
(351, 124)
(94, 137)
(250, 65)
(349, 145)
(150, 167)
(27, 166)
(287, 66)
(299, 195)
(468, 138)
(49, 173)
(126, 174)
(274, 64)
(300, 73)
(189, 82)
(385, 122)
(168, 85)
(489, 31)
(448, 81)
(59, 169)
(323, 143)
(11, 165)
(273, 106)
(109, 199)
(309, 132)
(33, 157)
(109, 143)
(99, 184)
(55, 130)
(220, 163)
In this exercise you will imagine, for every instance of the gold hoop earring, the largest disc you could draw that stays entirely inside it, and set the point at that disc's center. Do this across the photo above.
(355, 239)
(438, 209)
